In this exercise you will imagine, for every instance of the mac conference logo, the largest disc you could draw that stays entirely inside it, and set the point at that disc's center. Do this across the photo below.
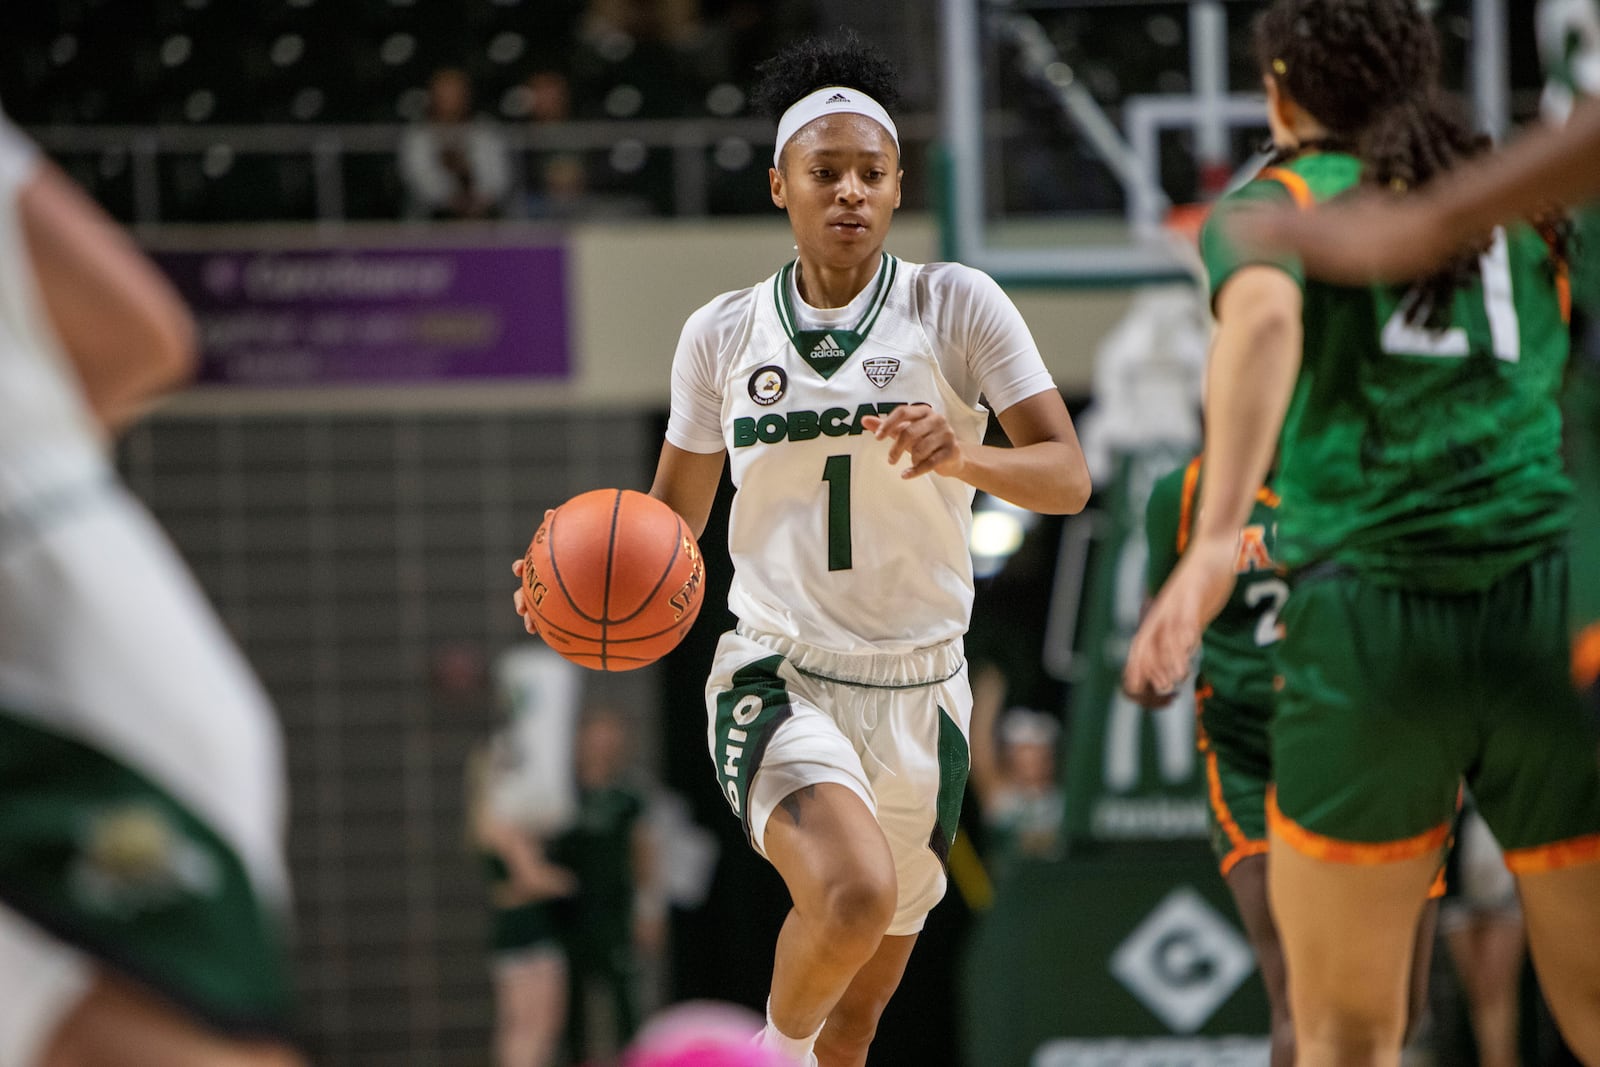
(880, 371)
(1183, 961)
(767, 385)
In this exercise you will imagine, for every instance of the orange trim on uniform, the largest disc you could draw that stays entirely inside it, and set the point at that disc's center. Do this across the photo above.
(1295, 184)
(1555, 856)
(1436, 891)
(1586, 656)
(1191, 478)
(1267, 497)
(1564, 291)
(1332, 850)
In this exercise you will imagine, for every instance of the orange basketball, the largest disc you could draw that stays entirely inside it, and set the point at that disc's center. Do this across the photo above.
(613, 579)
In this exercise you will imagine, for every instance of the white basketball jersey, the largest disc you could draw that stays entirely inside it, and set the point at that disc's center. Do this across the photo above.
(48, 439)
(830, 546)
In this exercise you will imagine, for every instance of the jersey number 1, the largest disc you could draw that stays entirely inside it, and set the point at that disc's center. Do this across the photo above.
(836, 472)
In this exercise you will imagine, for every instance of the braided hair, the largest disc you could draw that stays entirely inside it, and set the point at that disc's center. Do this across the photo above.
(817, 62)
(1368, 71)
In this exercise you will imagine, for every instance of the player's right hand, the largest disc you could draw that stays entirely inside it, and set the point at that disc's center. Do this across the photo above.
(519, 599)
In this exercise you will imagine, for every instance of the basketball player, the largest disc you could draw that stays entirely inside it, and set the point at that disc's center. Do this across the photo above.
(845, 388)
(1233, 711)
(1424, 516)
(142, 887)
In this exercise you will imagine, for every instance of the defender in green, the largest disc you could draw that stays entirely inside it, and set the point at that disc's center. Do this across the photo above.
(1424, 520)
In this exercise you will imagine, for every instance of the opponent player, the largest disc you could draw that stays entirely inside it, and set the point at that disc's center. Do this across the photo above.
(1233, 709)
(1424, 517)
(845, 388)
(142, 885)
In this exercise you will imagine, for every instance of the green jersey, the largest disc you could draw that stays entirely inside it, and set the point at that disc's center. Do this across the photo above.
(1234, 658)
(1427, 459)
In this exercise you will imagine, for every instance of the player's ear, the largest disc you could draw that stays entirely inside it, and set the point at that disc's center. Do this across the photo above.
(899, 177)
(775, 177)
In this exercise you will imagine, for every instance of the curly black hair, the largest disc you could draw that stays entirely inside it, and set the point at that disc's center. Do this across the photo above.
(817, 62)
(1368, 70)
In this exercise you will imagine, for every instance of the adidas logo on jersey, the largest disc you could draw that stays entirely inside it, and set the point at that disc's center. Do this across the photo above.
(827, 347)
(881, 370)
(838, 98)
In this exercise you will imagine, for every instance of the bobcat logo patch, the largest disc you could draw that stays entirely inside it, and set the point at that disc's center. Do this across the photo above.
(767, 385)
(881, 370)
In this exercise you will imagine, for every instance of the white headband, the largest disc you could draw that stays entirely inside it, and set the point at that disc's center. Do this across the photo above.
(831, 100)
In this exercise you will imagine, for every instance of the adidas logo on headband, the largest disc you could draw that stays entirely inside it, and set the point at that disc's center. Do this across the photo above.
(830, 100)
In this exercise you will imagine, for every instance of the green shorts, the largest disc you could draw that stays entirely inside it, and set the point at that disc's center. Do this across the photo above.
(1392, 697)
(1238, 755)
(106, 860)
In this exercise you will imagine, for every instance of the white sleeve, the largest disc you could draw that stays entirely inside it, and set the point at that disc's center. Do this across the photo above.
(425, 180)
(985, 345)
(695, 424)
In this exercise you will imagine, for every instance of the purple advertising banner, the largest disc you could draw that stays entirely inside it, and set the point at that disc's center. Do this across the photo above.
(308, 316)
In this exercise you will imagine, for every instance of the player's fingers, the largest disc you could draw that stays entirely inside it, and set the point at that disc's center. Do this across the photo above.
(516, 567)
(519, 601)
(930, 462)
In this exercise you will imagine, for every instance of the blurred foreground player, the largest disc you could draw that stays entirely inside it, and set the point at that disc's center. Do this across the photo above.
(142, 885)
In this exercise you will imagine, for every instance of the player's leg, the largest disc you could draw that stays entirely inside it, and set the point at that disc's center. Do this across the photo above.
(1538, 787)
(853, 1022)
(530, 1008)
(832, 855)
(1348, 935)
(1247, 881)
(1562, 907)
(1488, 949)
(117, 1024)
(1367, 750)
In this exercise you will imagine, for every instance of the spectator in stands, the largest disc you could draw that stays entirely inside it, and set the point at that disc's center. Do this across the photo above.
(560, 184)
(454, 165)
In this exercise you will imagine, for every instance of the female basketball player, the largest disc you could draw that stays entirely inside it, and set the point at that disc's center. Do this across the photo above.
(142, 883)
(1424, 514)
(845, 389)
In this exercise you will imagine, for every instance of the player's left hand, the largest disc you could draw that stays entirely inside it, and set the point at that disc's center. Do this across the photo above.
(519, 599)
(1163, 649)
(918, 431)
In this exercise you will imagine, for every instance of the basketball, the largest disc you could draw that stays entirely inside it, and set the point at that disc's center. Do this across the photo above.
(613, 579)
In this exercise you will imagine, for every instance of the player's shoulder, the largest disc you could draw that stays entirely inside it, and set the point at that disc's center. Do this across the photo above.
(948, 277)
(724, 314)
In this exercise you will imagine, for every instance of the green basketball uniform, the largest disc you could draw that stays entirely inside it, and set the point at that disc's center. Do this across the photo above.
(1424, 518)
(1233, 693)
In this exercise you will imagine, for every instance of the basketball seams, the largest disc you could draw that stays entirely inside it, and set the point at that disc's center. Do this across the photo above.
(611, 560)
(672, 561)
(592, 640)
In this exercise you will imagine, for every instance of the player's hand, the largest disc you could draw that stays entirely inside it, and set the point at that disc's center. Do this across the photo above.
(1149, 698)
(519, 599)
(1163, 649)
(918, 431)
(1371, 238)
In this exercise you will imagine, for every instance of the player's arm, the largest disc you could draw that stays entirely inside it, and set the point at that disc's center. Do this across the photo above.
(1386, 238)
(687, 483)
(1162, 516)
(1255, 358)
(120, 322)
(533, 877)
(988, 697)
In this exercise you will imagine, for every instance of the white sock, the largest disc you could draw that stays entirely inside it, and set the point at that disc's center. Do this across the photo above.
(798, 1048)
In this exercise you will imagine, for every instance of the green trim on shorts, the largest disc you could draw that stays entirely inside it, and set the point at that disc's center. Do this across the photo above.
(105, 859)
(955, 761)
(747, 716)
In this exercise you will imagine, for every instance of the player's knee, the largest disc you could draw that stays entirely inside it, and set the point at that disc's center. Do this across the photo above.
(1355, 1024)
(258, 1055)
(857, 909)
